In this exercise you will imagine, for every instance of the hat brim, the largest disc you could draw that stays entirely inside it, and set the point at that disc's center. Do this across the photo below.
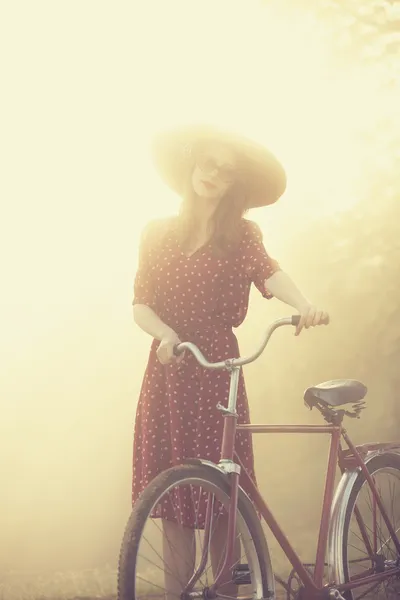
(174, 155)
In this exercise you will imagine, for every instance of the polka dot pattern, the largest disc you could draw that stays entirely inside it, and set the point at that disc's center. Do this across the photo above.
(202, 297)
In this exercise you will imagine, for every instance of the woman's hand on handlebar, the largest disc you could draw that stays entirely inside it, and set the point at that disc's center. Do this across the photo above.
(165, 351)
(311, 316)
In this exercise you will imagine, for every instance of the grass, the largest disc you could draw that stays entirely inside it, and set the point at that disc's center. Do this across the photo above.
(66, 585)
(94, 584)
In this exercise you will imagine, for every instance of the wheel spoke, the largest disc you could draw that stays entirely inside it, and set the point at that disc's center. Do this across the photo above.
(363, 508)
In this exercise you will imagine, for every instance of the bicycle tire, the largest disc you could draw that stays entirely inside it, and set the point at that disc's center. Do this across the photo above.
(143, 507)
(374, 465)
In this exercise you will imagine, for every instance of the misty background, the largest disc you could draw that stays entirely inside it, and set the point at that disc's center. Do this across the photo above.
(85, 85)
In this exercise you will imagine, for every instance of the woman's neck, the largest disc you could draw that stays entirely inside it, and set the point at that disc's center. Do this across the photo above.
(204, 210)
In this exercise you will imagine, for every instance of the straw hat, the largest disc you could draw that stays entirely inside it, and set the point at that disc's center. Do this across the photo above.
(174, 155)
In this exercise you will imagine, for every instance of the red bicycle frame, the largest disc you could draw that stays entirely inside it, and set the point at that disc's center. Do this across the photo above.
(337, 456)
(350, 458)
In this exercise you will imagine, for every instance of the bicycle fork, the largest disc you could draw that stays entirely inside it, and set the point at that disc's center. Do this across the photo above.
(224, 572)
(228, 465)
(232, 469)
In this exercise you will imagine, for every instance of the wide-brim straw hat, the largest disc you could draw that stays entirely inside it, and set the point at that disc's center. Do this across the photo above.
(174, 155)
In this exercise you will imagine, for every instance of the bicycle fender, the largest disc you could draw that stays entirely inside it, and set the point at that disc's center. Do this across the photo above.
(338, 513)
(216, 467)
(205, 463)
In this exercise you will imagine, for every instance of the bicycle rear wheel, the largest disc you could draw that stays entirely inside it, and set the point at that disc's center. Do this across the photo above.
(143, 570)
(367, 547)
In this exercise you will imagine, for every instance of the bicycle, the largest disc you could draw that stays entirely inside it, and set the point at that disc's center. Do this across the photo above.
(352, 572)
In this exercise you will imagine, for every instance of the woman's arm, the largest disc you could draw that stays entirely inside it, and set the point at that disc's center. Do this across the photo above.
(282, 287)
(148, 321)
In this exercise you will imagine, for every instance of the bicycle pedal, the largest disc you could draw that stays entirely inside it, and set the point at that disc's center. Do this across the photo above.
(335, 595)
(241, 575)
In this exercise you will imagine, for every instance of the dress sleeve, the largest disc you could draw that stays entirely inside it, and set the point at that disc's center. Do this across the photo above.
(144, 283)
(258, 264)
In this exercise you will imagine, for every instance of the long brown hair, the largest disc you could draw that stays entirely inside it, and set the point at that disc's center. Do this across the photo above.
(225, 221)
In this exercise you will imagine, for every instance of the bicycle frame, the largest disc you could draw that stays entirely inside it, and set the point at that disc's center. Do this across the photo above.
(231, 464)
(261, 505)
(314, 584)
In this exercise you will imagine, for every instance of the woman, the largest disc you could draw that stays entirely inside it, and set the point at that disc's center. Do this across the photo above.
(192, 284)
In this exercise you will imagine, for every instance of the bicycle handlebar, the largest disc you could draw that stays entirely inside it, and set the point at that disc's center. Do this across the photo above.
(239, 362)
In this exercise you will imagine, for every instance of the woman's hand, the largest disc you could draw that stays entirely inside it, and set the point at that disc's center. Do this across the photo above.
(165, 350)
(310, 316)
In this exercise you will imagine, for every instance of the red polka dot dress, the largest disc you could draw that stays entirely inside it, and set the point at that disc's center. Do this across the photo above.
(202, 297)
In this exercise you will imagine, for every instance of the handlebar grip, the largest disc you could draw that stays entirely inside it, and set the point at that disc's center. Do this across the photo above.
(296, 320)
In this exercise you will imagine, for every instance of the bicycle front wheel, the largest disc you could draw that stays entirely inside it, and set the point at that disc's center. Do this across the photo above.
(159, 556)
(367, 546)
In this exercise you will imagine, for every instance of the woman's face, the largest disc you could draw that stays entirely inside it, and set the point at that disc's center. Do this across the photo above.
(214, 172)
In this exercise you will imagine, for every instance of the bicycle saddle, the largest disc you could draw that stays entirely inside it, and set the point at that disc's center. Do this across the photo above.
(336, 392)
